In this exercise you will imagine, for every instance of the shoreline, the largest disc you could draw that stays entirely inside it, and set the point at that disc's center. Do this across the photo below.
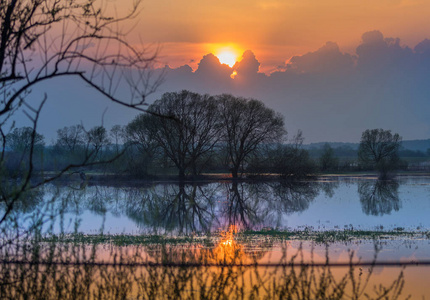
(115, 179)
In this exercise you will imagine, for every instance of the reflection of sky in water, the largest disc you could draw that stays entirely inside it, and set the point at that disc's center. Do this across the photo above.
(162, 208)
(92, 224)
(398, 250)
(172, 209)
(391, 250)
(345, 209)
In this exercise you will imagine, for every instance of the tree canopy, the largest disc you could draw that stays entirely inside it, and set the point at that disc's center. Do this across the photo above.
(379, 148)
(247, 124)
(189, 132)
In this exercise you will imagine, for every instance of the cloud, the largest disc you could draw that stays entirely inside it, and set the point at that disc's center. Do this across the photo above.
(210, 66)
(329, 94)
(327, 59)
(372, 37)
(423, 47)
(184, 70)
(379, 54)
(248, 65)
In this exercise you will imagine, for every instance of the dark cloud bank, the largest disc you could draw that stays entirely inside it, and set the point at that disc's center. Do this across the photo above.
(330, 95)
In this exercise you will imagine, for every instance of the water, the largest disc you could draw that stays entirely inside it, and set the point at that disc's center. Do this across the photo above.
(204, 210)
(326, 204)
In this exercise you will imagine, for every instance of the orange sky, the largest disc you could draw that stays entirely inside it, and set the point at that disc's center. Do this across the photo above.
(274, 29)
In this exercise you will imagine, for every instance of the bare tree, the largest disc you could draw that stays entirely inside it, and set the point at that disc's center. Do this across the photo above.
(46, 39)
(20, 145)
(327, 160)
(246, 125)
(19, 140)
(143, 150)
(70, 138)
(97, 138)
(117, 134)
(139, 132)
(379, 148)
(290, 160)
(190, 133)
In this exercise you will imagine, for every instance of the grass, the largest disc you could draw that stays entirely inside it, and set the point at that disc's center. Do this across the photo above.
(331, 236)
(118, 240)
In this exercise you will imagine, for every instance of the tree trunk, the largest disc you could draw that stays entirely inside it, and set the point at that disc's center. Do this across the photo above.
(234, 172)
(195, 171)
(181, 173)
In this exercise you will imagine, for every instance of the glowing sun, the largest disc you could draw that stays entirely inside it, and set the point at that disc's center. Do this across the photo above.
(227, 56)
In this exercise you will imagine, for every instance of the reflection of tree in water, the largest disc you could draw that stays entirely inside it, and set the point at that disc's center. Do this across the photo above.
(96, 198)
(183, 208)
(290, 197)
(379, 198)
(328, 187)
(243, 206)
(250, 206)
(28, 202)
(192, 208)
(180, 208)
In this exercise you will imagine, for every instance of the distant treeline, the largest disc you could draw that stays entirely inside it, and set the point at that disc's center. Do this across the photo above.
(410, 148)
(350, 152)
(186, 134)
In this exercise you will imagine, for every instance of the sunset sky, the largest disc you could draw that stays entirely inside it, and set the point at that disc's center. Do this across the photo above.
(274, 30)
(333, 68)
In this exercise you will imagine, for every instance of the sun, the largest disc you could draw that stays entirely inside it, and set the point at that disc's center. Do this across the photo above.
(227, 55)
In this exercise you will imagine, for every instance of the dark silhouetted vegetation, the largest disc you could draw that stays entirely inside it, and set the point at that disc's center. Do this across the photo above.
(246, 125)
(379, 149)
(224, 267)
(327, 160)
(190, 131)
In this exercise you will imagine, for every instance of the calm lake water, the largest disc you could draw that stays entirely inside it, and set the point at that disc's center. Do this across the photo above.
(329, 203)
(211, 209)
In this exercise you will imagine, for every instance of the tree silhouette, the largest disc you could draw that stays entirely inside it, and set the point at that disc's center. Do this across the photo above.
(379, 148)
(190, 133)
(246, 125)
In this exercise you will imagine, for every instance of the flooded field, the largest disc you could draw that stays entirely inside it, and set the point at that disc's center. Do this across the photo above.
(335, 237)
(327, 204)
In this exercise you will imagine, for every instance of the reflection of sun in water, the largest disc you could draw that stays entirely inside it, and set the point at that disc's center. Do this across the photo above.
(228, 250)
